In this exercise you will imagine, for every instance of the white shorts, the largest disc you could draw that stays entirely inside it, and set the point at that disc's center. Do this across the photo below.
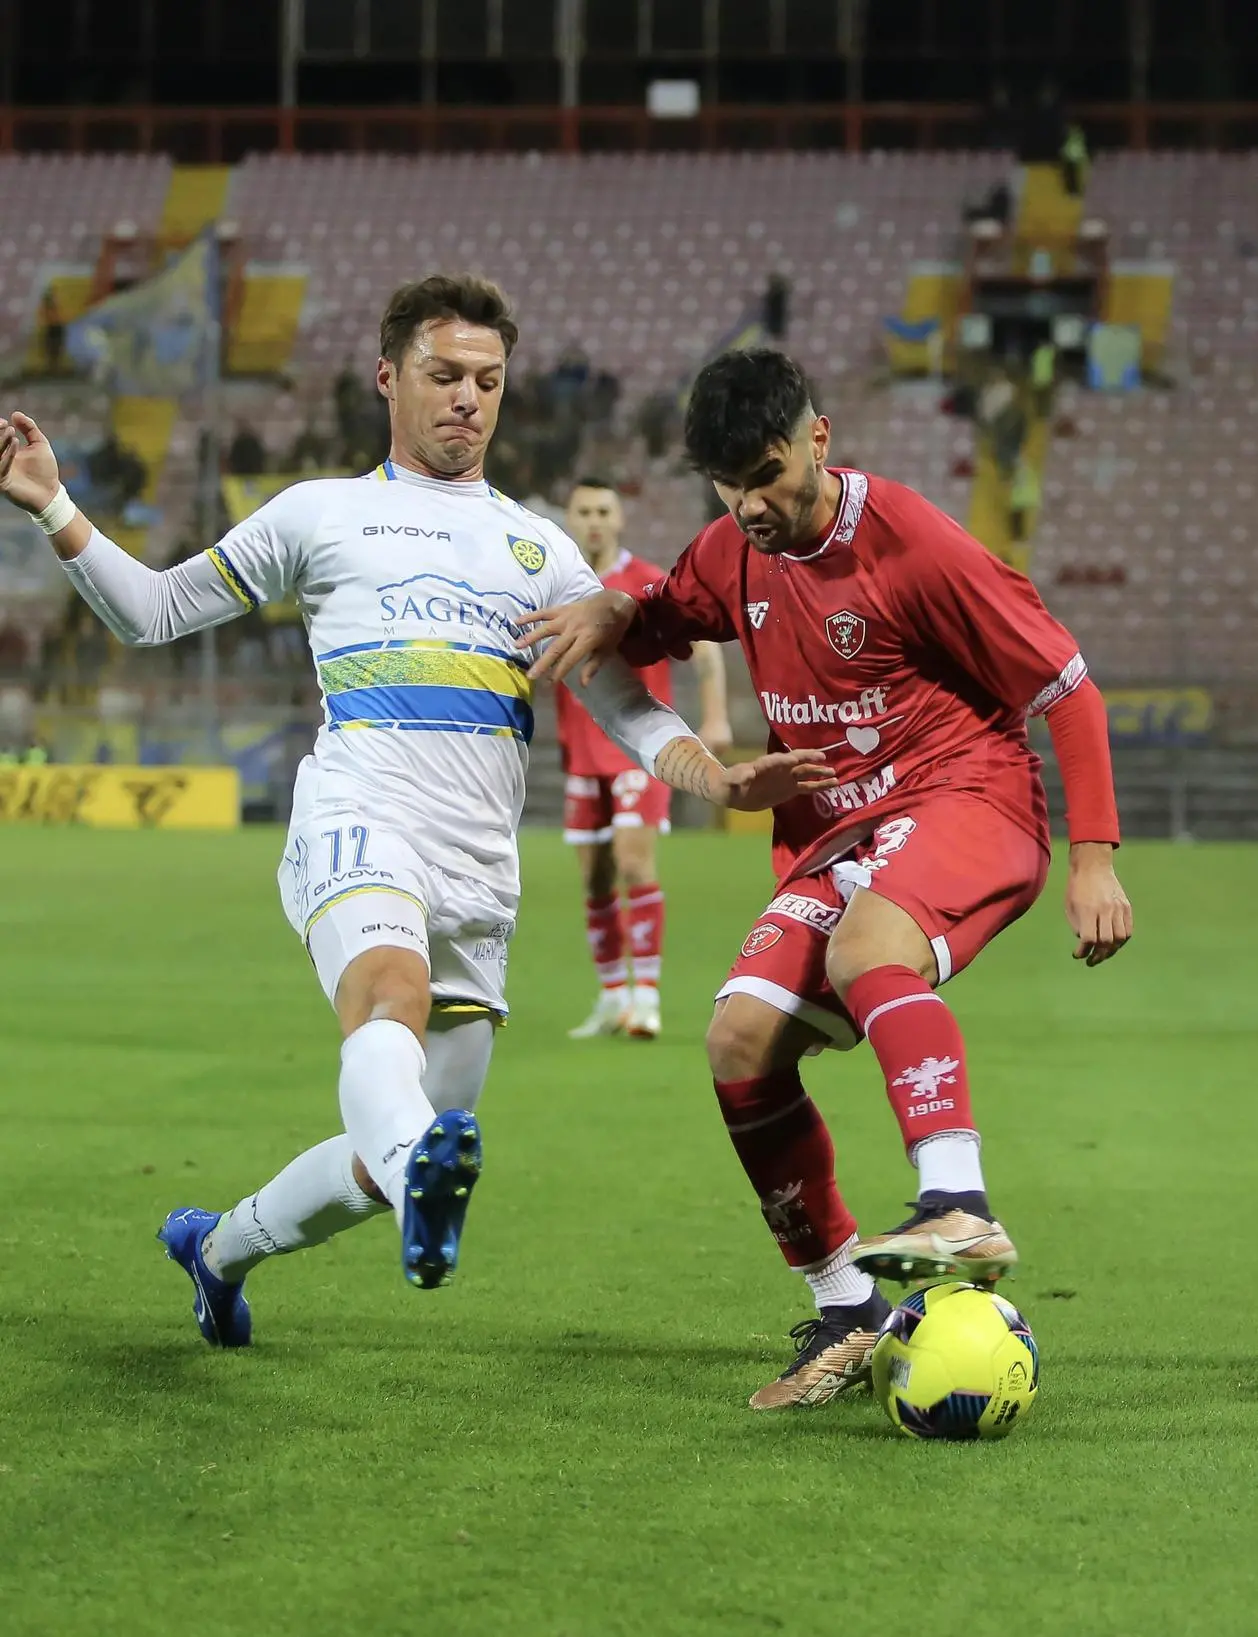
(348, 887)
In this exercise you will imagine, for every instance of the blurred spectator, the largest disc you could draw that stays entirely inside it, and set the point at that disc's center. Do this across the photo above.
(776, 306)
(52, 324)
(1001, 418)
(117, 474)
(349, 400)
(569, 377)
(555, 449)
(379, 432)
(658, 422)
(309, 452)
(996, 205)
(1024, 499)
(1074, 161)
(14, 650)
(246, 455)
(1043, 373)
(12, 755)
(508, 467)
(604, 394)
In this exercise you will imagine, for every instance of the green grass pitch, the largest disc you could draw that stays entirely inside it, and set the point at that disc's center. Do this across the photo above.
(558, 1444)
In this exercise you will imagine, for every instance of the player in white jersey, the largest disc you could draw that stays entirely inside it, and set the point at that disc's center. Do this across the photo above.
(400, 869)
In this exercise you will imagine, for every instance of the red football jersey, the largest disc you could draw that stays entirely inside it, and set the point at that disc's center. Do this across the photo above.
(896, 643)
(585, 748)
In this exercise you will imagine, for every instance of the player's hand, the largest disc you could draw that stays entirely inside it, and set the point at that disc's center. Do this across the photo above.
(584, 633)
(770, 780)
(28, 467)
(717, 734)
(1096, 905)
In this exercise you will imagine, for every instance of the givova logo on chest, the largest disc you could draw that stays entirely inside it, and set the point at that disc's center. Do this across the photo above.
(409, 531)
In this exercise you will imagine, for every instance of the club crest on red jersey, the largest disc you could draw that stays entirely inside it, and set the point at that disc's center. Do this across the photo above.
(846, 633)
(761, 938)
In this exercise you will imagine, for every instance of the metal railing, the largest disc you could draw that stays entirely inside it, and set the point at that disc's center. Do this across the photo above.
(225, 135)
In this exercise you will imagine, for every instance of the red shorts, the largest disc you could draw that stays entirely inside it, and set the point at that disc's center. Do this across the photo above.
(961, 869)
(594, 807)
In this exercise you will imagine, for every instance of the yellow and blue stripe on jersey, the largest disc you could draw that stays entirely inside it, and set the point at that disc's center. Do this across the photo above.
(421, 686)
(232, 577)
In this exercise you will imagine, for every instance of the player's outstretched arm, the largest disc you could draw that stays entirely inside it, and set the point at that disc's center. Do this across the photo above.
(686, 764)
(661, 742)
(140, 605)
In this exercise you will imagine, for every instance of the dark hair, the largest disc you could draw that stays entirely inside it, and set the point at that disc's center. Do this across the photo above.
(741, 404)
(595, 480)
(445, 295)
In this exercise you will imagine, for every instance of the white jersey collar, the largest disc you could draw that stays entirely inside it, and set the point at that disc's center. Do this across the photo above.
(390, 472)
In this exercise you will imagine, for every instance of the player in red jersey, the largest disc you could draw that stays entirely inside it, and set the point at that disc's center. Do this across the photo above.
(877, 630)
(613, 811)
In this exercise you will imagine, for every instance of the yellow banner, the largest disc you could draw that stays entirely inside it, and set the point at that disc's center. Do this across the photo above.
(243, 495)
(122, 798)
(1159, 716)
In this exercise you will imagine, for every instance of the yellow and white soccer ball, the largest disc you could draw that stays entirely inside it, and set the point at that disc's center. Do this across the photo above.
(956, 1361)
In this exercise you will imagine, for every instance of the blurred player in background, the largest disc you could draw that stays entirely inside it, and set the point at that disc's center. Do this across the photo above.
(400, 872)
(879, 632)
(613, 811)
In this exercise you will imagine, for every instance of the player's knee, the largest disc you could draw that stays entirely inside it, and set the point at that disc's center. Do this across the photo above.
(387, 984)
(634, 847)
(737, 1049)
(402, 998)
(638, 871)
(850, 957)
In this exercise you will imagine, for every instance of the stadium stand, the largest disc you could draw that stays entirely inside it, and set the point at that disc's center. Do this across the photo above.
(57, 208)
(645, 263)
(1159, 484)
(643, 260)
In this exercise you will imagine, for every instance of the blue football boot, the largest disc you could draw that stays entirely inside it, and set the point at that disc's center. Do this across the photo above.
(440, 1175)
(220, 1309)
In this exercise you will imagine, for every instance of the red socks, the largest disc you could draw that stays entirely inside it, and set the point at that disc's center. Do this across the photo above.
(607, 941)
(646, 931)
(785, 1149)
(605, 930)
(918, 1043)
(782, 1140)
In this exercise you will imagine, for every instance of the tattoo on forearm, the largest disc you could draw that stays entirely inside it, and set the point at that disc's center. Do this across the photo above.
(686, 765)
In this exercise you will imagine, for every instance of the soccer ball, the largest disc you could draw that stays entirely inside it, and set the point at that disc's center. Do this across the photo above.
(956, 1361)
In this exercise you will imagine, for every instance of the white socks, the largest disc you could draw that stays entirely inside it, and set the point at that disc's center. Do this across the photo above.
(318, 1195)
(949, 1164)
(311, 1199)
(836, 1283)
(383, 1106)
(458, 1063)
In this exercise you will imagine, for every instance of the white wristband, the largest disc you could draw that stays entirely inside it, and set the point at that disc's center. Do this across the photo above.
(57, 513)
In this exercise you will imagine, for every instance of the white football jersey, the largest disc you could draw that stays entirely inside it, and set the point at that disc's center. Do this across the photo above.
(411, 589)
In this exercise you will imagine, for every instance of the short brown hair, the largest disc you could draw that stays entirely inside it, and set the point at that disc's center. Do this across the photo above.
(445, 295)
